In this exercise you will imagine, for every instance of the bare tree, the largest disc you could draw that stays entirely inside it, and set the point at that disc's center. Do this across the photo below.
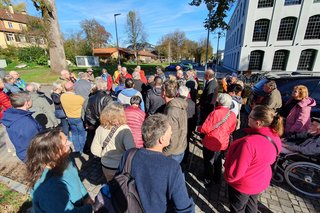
(135, 32)
(218, 12)
(55, 41)
(96, 34)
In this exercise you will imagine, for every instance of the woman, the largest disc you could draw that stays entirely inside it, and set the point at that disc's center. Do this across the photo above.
(113, 137)
(53, 177)
(58, 110)
(297, 110)
(248, 162)
(217, 129)
(9, 86)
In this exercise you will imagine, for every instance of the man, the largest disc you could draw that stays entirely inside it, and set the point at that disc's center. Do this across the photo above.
(116, 74)
(154, 100)
(90, 74)
(138, 84)
(96, 104)
(234, 90)
(165, 190)
(124, 73)
(43, 111)
(192, 85)
(142, 75)
(176, 111)
(20, 83)
(64, 78)
(180, 78)
(125, 95)
(83, 85)
(72, 105)
(19, 123)
(209, 95)
(310, 140)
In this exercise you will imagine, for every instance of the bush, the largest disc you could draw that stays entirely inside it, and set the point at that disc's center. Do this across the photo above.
(9, 54)
(33, 54)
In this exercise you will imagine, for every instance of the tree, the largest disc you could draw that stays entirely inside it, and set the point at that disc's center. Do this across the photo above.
(201, 50)
(218, 13)
(76, 45)
(55, 41)
(95, 33)
(19, 7)
(136, 34)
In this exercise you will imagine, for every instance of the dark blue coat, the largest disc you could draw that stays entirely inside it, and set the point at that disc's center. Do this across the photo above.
(21, 128)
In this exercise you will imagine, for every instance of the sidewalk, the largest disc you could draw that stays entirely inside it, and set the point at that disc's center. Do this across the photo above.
(277, 198)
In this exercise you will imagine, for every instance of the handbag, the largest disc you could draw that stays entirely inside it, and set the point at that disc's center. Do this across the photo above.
(222, 121)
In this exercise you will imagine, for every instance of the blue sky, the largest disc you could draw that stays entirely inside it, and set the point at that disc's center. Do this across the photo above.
(159, 17)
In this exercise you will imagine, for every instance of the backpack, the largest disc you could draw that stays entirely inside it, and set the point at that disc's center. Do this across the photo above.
(124, 195)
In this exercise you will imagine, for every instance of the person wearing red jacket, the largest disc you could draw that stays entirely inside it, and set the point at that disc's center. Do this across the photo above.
(217, 129)
(143, 77)
(108, 78)
(124, 73)
(248, 162)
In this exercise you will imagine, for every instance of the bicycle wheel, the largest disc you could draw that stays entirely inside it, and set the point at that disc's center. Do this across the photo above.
(304, 177)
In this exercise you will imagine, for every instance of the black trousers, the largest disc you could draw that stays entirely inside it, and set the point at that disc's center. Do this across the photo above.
(242, 203)
(212, 173)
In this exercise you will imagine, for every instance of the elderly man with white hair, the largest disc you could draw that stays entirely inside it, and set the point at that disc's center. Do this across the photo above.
(217, 129)
(20, 83)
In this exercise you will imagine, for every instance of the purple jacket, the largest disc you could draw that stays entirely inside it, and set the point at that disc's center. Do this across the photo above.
(298, 119)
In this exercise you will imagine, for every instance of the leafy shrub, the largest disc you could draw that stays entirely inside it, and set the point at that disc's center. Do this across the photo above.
(33, 54)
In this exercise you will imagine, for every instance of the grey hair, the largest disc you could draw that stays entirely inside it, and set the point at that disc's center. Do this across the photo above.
(19, 99)
(136, 75)
(153, 128)
(101, 84)
(224, 100)
(7, 78)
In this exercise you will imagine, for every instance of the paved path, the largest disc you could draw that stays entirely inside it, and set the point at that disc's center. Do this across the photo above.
(277, 198)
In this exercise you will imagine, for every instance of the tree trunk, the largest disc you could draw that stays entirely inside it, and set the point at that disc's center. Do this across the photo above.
(55, 43)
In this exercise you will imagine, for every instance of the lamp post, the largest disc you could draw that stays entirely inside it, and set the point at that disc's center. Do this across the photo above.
(115, 23)
(210, 7)
(217, 59)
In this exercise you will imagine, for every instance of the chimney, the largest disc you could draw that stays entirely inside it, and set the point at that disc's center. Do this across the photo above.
(11, 9)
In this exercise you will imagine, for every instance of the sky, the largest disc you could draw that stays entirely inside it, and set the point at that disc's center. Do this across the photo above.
(159, 17)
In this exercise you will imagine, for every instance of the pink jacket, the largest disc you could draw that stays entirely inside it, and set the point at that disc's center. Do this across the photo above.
(298, 120)
(249, 159)
(218, 139)
(135, 117)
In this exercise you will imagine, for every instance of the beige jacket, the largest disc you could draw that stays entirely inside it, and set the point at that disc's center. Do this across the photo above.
(121, 141)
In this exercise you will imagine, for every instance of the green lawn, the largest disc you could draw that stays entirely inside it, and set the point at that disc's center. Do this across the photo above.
(42, 74)
(12, 201)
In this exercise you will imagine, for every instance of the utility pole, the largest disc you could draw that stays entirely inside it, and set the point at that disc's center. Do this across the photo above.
(217, 59)
(115, 23)
(209, 7)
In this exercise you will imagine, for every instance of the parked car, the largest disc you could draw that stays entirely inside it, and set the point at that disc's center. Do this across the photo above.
(172, 67)
(285, 83)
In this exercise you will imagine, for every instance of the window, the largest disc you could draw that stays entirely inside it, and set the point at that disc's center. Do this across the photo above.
(256, 59)
(261, 29)
(10, 37)
(307, 59)
(292, 2)
(20, 38)
(286, 29)
(32, 40)
(265, 3)
(313, 28)
(10, 24)
(280, 60)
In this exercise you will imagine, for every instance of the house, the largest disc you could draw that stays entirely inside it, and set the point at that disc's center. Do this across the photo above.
(13, 26)
(272, 35)
(112, 53)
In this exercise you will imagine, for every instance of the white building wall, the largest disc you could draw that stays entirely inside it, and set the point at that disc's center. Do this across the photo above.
(274, 14)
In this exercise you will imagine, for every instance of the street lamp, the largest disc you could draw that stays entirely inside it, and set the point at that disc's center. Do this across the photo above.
(220, 34)
(210, 7)
(115, 23)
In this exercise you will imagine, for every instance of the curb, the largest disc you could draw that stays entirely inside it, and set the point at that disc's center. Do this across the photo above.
(14, 185)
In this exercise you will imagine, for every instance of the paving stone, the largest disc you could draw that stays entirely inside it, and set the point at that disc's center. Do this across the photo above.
(274, 197)
(294, 202)
(297, 208)
(275, 208)
(273, 202)
(287, 209)
(285, 202)
(305, 210)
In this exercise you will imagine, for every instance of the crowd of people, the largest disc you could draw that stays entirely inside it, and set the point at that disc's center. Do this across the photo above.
(108, 115)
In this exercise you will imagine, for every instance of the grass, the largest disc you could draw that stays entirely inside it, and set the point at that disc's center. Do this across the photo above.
(12, 201)
(42, 74)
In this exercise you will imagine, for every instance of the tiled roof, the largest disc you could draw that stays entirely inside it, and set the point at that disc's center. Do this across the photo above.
(147, 53)
(16, 17)
(128, 51)
(104, 50)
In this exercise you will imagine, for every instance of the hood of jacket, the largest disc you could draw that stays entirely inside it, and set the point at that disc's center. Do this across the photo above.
(129, 92)
(307, 102)
(178, 103)
(156, 91)
(13, 115)
(238, 99)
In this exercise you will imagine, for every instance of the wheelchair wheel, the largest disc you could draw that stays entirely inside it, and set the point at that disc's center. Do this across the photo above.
(278, 178)
(304, 177)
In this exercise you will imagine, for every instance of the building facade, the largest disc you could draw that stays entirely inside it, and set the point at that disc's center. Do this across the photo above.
(274, 35)
(13, 27)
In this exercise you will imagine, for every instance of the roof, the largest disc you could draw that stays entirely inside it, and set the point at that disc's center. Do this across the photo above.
(104, 50)
(111, 50)
(16, 17)
(147, 53)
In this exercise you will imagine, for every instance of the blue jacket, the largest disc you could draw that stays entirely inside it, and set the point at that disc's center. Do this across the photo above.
(126, 94)
(21, 128)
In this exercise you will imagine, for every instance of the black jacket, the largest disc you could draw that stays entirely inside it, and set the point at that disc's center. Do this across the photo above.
(208, 98)
(95, 105)
(154, 101)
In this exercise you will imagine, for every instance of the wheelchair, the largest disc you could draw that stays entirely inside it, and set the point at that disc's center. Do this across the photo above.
(301, 172)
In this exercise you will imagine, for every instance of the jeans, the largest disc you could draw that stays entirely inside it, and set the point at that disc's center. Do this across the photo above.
(78, 132)
(178, 157)
(65, 126)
